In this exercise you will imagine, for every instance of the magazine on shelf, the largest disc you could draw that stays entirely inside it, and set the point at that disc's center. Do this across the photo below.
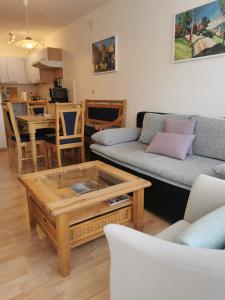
(87, 186)
(117, 200)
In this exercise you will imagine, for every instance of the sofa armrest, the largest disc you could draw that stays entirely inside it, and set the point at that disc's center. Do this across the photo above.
(207, 194)
(145, 267)
(115, 136)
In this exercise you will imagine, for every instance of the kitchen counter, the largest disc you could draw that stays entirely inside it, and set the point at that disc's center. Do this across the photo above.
(24, 102)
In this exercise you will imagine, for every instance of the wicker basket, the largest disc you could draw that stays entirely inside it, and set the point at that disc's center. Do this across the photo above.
(93, 228)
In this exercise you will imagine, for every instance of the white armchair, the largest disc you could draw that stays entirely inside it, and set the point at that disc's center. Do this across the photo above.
(144, 267)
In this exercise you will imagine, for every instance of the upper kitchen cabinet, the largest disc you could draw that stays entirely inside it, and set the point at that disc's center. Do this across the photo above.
(16, 70)
(44, 65)
(3, 70)
(32, 73)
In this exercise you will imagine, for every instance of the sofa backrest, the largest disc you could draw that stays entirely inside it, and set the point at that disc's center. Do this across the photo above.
(140, 117)
(210, 137)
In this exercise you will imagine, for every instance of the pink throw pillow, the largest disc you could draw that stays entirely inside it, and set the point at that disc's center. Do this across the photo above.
(171, 144)
(182, 127)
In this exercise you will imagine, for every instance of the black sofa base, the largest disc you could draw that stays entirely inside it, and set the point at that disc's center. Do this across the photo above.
(163, 199)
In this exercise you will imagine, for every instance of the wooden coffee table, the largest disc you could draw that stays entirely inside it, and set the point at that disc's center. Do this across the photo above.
(70, 218)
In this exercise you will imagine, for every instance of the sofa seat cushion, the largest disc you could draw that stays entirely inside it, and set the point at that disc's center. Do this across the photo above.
(181, 173)
(220, 171)
(171, 232)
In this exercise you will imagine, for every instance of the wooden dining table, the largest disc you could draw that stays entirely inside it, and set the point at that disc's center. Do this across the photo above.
(32, 123)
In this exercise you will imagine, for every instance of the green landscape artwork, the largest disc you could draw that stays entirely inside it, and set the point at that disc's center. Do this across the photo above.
(200, 32)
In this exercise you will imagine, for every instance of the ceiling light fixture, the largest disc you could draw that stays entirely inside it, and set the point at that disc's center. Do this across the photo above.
(12, 37)
(27, 43)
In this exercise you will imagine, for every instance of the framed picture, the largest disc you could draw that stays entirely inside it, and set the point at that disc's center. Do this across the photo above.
(104, 55)
(200, 32)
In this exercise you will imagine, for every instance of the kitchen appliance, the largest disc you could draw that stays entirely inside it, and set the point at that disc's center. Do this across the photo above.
(10, 93)
(24, 96)
(35, 96)
(48, 64)
(58, 93)
(5, 95)
(48, 58)
(57, 83)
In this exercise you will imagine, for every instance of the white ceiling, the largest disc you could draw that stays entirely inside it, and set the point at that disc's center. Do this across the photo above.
(46, 16)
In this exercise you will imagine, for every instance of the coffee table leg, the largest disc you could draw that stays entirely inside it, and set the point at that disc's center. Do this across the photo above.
(32, 219)
(138, 209)
(62, 228)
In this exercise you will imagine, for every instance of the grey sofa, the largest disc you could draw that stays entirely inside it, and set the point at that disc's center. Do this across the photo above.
(171, 178)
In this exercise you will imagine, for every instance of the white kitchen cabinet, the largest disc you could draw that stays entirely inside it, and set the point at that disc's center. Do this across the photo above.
(3, 69)
(32, 73)
(16, 70)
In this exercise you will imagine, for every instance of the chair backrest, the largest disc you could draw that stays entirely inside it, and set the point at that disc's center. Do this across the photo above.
(207, 194)
(105, 111)
(37, 107)
(10, 122)
(69, 121)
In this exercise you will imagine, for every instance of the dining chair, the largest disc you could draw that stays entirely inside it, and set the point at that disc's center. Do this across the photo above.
(40, 108)
(37, 107)
(69, 131)
(20, 143)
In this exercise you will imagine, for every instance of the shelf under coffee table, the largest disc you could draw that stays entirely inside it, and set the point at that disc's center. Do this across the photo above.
(70, 215)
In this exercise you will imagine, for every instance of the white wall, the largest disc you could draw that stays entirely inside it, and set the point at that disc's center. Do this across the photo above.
(146, 77)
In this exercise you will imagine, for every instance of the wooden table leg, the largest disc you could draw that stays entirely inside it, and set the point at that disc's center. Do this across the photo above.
(62, 229)
(138, 209)
(32, 131)
(32, 219)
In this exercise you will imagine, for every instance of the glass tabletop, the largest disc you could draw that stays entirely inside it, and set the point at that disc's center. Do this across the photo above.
(77, 182)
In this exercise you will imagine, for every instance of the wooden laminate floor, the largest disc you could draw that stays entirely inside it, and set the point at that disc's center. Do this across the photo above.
(28, 262)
